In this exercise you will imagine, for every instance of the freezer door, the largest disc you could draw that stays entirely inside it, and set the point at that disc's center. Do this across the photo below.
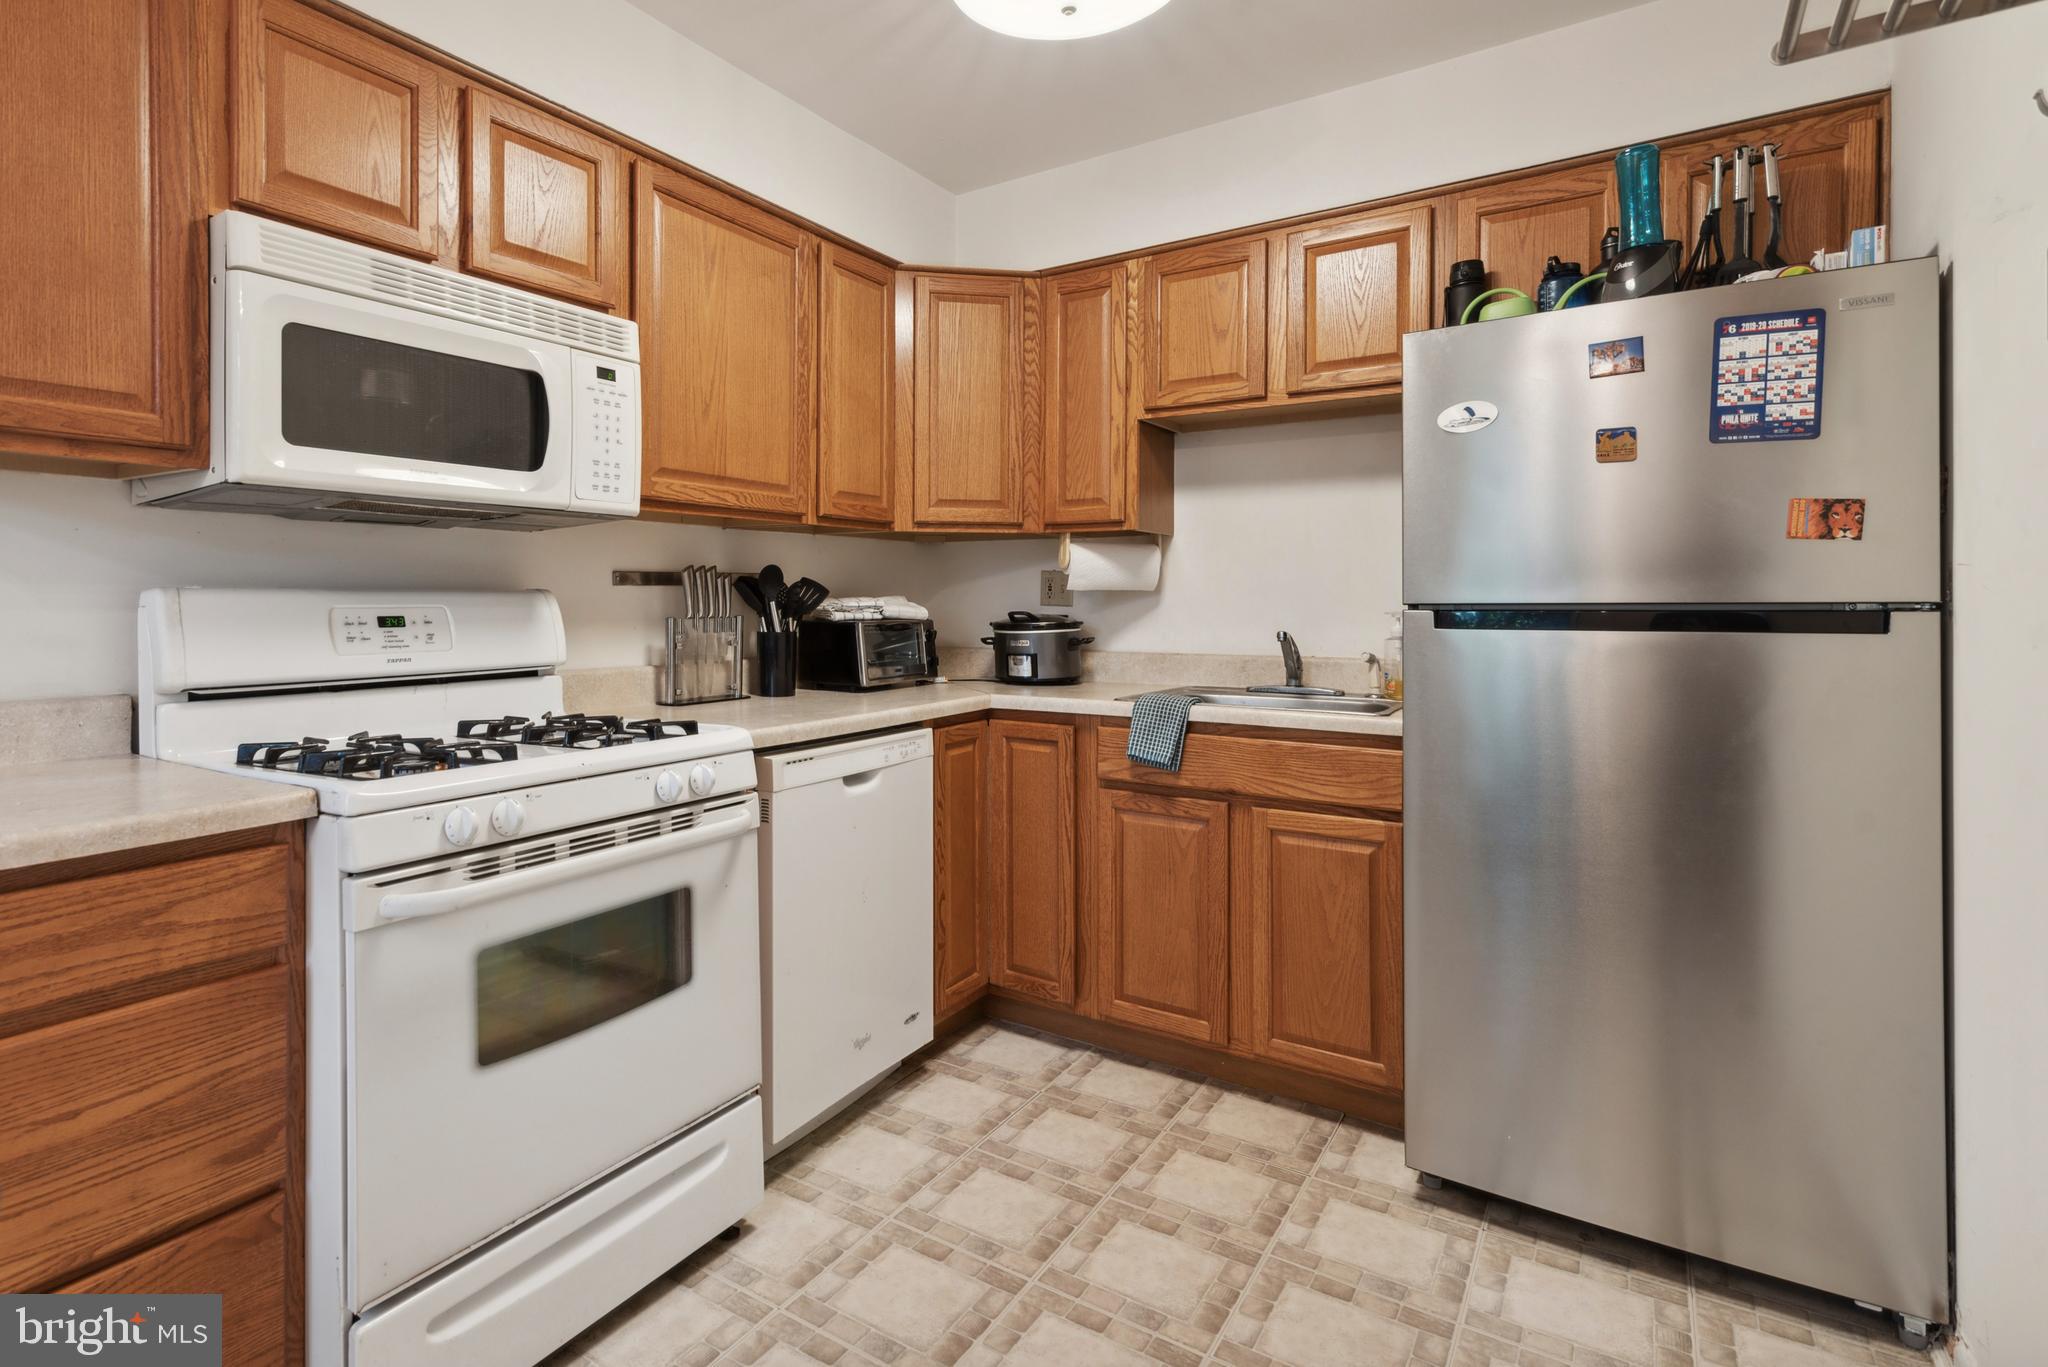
(1524, 510)
(1674, 937)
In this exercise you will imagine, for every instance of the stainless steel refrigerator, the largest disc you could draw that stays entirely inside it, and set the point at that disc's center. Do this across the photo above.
(1674, 867)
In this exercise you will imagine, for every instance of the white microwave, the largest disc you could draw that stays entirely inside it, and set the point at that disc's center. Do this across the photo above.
(352, 385)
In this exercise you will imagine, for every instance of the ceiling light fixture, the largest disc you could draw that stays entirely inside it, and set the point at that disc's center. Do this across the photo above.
(1054, 19)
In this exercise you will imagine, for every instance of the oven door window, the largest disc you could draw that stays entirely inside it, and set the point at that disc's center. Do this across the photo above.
(346, 392)
(568, 978)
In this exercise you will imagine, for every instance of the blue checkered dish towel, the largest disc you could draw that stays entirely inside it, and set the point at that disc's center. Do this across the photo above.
(1159, 727)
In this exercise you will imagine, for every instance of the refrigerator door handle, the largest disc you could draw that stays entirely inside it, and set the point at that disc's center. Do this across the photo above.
(1861, 620)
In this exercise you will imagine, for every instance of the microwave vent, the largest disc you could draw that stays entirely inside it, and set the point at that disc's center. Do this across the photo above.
(321, 260)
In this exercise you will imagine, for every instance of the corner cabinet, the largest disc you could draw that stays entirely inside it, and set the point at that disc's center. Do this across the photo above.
(856, 388)
(967, 439)
(1031, 869)
(726, 296)
(344, 132)
(1204, 325)
(547, 203)
(102, 343)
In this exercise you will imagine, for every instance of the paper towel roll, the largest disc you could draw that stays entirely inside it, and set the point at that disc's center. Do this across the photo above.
(1123, 565)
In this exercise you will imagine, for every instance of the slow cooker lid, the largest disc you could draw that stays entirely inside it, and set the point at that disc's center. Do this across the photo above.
(1037, 621)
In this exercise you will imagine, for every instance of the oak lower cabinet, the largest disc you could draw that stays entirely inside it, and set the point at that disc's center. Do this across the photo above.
(1317, 916)
(548, 203)
(968, 439)
(344, 132)
(152, 1052)
(1162, 926)
(1031, 865)
(102, 349)
(726, 297)
(959, 865)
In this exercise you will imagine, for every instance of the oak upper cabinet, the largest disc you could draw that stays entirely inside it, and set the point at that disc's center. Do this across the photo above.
(1353, 287)
(1087, 394)
(1317, 958)
(1830, 175)
(547, 203)
(1031, 875)
(960, 858)
(725, 295)
(100, 339)
(1515, 225)
(856, 388)
(1162, 925)
(1204, 325)
(967, 441)
(343, 132)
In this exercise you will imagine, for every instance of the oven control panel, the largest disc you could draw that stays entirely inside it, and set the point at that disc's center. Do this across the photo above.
(387, 630)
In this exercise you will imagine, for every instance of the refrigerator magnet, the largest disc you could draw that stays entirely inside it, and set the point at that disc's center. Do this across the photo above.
(1824, 519)
(1613, 444)
(1618, 356)
(1766, 381)
(1469, 416)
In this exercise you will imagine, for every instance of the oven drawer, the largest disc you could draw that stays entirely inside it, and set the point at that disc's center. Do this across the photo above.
(525, 1295)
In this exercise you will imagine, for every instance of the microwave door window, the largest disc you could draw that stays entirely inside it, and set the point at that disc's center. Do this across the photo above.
(571, 977)
(346, 392)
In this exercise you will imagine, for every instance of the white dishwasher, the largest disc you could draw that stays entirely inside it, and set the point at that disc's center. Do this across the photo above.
(846, 921)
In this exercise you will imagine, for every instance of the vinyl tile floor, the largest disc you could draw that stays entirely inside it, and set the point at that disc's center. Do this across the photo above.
(1021, 1199)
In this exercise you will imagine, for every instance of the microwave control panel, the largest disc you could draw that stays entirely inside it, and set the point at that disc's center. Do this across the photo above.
(607, 445)
(387, 630)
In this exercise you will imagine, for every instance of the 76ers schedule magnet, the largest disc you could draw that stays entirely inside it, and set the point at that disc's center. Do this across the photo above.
(1767, 376)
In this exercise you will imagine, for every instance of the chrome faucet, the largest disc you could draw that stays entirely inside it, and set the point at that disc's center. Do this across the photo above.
(1290, 656)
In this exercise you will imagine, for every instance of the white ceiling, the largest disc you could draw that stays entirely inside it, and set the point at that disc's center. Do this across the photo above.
(968, 108)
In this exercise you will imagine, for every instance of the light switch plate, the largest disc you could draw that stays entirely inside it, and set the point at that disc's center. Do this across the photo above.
(1053, 591)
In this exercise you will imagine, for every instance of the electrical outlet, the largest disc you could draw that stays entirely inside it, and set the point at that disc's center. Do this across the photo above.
(1053, 591)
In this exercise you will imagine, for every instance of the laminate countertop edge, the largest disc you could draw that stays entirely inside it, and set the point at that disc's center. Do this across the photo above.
(73, 808)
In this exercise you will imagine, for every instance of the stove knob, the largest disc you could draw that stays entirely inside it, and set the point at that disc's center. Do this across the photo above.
(460, 826)
(703, 778)
(667, 786)
(507, 817)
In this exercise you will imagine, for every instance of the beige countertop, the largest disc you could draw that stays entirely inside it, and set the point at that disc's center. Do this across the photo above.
(69, 808)
(816, 715)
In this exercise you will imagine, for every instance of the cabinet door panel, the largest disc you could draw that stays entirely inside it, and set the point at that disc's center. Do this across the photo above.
(1087, 385)
(547, 203)
(101, 223)
(724, 294)
(343, 132)
(1352, 289)
(1162, 913)
(1830, 180)
(856, 388)
(1205, 325)
(1031, 861)
(968, 447)
(1318, 954)
(239, 1257)
(960, 849)
(1515, 225)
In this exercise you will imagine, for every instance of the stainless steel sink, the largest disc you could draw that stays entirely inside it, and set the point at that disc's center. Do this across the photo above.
(1291, 702)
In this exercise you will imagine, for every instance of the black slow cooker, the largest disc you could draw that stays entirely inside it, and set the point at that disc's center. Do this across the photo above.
(1035, 648)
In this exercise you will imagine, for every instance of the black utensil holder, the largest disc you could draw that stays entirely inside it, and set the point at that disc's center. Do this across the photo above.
(775, 670)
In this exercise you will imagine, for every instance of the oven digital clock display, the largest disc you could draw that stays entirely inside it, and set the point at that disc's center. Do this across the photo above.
(393, 623)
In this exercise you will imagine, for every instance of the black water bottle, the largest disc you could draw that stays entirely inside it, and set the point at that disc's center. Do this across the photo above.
(1468, 282)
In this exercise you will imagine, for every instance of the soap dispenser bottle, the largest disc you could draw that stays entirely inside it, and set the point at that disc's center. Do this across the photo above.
(1390, 659)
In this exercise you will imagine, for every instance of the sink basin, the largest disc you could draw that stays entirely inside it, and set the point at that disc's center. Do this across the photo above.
(1290, 702)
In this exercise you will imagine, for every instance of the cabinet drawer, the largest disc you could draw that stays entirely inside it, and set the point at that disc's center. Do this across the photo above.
(122, 1126)
(240, 1257)
(88, 943)
(1254, 766)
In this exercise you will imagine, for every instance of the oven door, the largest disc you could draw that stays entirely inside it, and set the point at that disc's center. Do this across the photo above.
(327, 391)
(524, 1019)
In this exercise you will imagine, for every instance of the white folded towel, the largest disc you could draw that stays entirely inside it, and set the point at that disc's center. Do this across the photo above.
(889, 607)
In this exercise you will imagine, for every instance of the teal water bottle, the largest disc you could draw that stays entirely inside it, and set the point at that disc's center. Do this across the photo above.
(1637, 181)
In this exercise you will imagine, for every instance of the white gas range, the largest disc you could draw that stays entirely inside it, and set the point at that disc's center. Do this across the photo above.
(533, 974)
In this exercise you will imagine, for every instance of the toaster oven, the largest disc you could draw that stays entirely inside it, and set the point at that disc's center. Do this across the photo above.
(862, 655)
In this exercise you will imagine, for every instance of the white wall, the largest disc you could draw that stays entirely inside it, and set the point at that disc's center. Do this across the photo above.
(1676, 65)
(618, 65)
(1969, 155)
(1295, 526)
